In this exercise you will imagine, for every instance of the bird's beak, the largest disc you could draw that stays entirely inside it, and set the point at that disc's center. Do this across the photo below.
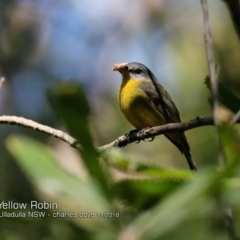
(121, 67)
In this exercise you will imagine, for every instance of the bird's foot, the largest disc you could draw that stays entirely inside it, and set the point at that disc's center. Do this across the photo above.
(139, 136)
(150, 139)
(132, 132)
(128, 138)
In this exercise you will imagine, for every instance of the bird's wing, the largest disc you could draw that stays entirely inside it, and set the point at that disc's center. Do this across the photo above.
(165, 105)
(163, 102)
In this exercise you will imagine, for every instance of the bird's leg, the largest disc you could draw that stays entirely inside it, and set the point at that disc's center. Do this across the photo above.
(132, 132)
(148, 139)
(128, 138)
(139, 134)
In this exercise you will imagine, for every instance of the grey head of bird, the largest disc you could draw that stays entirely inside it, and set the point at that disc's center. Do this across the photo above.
(134, 70)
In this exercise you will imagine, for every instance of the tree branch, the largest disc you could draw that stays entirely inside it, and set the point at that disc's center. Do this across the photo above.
(23, 122)
(211, 61)
(235, 117)
(230, 224)
(145, 133)
(121, 141)
(214, 90)
(2, 80)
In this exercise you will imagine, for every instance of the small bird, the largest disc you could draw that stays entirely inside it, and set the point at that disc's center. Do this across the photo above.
(145, 103)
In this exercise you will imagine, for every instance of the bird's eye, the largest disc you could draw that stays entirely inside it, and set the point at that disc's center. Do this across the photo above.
(138, 71)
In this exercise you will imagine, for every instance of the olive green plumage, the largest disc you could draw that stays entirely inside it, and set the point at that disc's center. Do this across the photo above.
(145, 103)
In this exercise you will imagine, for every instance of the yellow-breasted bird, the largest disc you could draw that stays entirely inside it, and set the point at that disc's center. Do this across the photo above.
(145, 103)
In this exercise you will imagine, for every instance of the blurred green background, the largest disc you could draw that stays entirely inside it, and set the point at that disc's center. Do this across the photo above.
(49, 46)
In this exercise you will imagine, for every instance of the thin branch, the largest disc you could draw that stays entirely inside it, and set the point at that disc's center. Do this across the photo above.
(230, 224)
(133, 136)
(214, 91)
(23, 122)
(123, 140)
(145, 133)
(211, 61)
(235, 117)
(2, 80)
(234, 7)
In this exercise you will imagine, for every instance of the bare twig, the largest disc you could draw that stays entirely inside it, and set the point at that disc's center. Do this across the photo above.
(211, 61)
(123, 140)
(213, 73)
(145, 133)
(235, 117)
(39, 127)
(230, 225)
(2, 80)
(120, 141)
(214, 90)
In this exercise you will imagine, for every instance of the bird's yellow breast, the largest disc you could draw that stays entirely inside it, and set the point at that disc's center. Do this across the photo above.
(128, 92)
(136, 106)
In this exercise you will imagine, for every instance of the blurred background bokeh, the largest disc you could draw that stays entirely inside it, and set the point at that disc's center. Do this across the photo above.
(43, 43)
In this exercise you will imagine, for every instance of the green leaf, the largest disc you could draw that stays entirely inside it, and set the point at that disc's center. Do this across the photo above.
(194, 199)
(129, 164)
(184, 203)
(141, 194)
(70, 102)
(143, 185)
(226, 96)
(51, 182)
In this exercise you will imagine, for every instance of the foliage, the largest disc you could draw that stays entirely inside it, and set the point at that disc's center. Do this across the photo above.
(152, 203)
(41, 43)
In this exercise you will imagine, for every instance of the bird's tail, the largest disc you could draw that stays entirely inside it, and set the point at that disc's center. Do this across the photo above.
(186, 152)
(180, 141)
